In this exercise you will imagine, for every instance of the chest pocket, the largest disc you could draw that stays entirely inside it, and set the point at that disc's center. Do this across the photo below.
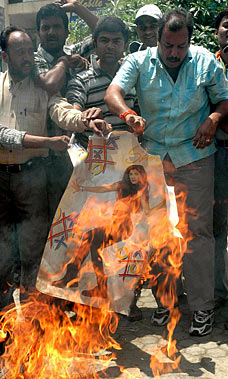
(36, 122)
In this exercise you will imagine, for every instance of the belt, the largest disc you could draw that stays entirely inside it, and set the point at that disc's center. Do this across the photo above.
(15, 168)
(222, 143)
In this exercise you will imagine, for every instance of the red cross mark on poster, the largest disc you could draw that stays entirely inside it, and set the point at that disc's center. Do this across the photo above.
(58, 235)
(98, 154)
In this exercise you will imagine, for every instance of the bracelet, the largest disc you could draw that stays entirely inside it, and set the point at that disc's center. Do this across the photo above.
(81, 188)
(123, 115)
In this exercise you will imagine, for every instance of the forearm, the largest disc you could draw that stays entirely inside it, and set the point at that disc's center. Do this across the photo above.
(221, 111)
(89, 17)
(53, 80)
(114, 99)
(97, 189)
(35, 142)
(65, 115)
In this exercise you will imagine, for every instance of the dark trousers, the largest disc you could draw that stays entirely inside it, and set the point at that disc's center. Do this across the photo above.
(23, 227)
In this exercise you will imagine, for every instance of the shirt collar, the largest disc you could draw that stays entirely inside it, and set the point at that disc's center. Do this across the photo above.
(47, 56)
(96, 67)
(11, 82)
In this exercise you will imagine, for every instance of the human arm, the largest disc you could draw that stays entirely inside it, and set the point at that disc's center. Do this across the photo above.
(53, 79)
(205, 133)
(96, 189)
(68, 117)
(15, 139)
(114, 99)
(146, 207)
(74, 6)
(58, 143)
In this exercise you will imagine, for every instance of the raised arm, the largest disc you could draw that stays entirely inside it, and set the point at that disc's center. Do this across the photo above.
(74, 6)
(114, 99)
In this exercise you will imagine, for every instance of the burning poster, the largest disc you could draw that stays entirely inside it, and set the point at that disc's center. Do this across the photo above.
(103, 233)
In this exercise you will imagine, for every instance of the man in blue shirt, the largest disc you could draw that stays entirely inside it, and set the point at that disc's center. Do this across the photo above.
(175, 83)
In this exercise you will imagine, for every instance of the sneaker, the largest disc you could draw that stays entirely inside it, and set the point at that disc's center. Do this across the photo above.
(160, 316)
(202, 322)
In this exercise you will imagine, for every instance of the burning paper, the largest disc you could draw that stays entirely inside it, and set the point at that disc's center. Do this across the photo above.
(101, 239)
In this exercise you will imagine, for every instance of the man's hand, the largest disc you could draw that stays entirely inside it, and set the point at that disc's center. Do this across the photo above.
(92, 114)
(58, 143)
(76, 61)
(67, 5)
(137, 124)
(99, 127)
(205, 134)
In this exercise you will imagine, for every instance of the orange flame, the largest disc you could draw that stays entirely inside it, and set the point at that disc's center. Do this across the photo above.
(46, 343)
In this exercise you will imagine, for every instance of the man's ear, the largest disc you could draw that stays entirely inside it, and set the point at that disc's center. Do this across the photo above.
(4, 57)
(94, 43)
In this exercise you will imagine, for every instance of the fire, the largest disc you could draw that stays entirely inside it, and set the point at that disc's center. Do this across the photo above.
(47, 343)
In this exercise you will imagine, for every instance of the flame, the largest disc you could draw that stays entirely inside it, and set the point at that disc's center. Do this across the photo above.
(47, 343)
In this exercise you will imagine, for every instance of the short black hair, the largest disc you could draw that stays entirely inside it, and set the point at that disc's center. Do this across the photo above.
(220, 17)
(176, 19)
(4, 36)
(111, 24)
(51, 10)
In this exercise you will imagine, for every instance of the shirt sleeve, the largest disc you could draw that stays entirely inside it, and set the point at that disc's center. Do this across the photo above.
(76, 92)
(65, 115)
(84, 48)
(218, 85)
(41, 65)
(127, 74)
(11, 138)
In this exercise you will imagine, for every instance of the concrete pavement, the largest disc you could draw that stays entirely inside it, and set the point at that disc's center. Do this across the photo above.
(204, 357)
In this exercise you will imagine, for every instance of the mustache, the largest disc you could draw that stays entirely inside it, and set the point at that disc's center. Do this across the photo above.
(172, 59)
(27, 63)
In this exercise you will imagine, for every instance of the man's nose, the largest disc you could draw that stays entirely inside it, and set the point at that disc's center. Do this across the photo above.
(110, 45)
(27, 56)
(51, 30)
(174, 51)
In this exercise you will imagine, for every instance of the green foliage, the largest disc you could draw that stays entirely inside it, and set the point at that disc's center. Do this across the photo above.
(204, 13)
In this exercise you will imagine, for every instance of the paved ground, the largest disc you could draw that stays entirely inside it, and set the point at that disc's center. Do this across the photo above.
(205, 357)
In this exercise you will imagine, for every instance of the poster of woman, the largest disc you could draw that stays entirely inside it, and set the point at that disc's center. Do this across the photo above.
(100, 240)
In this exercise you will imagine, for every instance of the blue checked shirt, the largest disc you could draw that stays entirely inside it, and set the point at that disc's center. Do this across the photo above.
(174, 111)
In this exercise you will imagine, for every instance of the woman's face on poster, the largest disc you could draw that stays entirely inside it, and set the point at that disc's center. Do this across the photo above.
(134, 176)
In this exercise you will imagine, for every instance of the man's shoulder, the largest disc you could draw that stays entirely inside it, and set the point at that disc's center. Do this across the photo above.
(84, 76)
(201, 51)
(142, 55)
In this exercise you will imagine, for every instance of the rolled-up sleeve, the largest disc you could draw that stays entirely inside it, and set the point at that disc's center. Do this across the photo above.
(127, 74)
(218, 85)
(65, 115)
(11, 138)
